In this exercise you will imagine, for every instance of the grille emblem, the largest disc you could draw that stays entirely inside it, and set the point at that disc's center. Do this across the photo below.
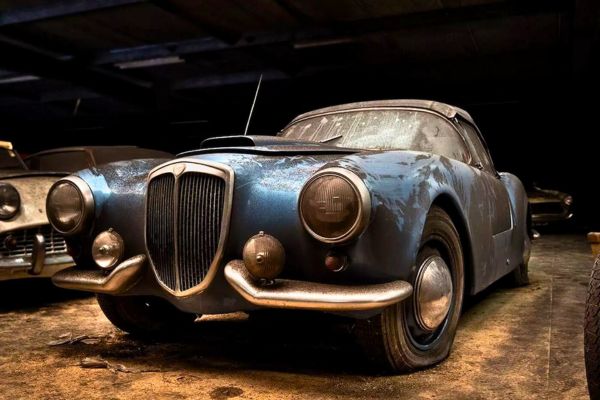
(178, 169)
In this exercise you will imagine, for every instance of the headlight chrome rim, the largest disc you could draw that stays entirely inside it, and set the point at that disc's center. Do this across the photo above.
(16, 206)
(364, 205)
(86, 197)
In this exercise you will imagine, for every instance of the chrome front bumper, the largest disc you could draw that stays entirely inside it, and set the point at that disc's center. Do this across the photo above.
(119, 280)
(282, 293)
(290, 294)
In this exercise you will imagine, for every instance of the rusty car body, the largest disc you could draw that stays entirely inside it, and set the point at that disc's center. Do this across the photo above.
(28, 244)
(387, 212)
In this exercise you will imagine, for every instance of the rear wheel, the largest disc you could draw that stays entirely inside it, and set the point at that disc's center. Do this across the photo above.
(144, 315)
(419, 331)
(520, 275)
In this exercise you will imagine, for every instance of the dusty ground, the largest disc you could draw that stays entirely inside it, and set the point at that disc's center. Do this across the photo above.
(511, 343)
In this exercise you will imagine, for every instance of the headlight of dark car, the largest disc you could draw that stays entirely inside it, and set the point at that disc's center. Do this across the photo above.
(335, 205)
(568, 200)
(69, 205)
(10, 201)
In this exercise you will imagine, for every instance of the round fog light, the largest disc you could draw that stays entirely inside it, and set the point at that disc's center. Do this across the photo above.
(107, 249)
(264, 256)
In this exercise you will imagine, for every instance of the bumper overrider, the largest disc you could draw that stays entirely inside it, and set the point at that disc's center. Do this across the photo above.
(261, 292)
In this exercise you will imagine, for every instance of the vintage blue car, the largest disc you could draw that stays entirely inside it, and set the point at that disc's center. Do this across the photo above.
(389, 212)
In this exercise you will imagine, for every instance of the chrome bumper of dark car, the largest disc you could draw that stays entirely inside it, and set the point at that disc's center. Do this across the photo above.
(290, 294)
(123, 277)
(35, 263)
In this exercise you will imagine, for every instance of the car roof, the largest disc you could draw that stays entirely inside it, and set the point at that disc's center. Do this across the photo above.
(442, 108)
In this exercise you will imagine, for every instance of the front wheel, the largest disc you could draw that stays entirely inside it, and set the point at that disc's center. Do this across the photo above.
(144, 315)
(419, 331)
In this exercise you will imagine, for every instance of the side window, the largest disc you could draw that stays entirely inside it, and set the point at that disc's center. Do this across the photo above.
(480, 153)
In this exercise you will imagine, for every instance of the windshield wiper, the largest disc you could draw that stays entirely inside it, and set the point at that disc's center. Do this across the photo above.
(330, 139)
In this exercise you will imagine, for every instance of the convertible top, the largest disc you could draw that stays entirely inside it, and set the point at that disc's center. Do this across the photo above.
(442, 108)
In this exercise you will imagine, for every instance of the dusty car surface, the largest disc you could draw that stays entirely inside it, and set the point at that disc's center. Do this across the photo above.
(72, 159)
(549, 206)
(389, 212)
(28, 245)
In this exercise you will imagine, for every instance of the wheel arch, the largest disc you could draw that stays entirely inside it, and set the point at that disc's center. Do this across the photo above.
(447, 203)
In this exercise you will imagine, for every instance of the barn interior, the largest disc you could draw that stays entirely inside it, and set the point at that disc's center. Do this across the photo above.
(167, 74)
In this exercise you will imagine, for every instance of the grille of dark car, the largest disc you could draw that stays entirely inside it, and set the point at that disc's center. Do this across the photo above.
(183, 226)
(19, 243)
(547, 208)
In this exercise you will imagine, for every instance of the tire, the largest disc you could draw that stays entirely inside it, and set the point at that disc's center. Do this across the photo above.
(144, 315)
(591, 334)
(519, 276)
(391, 340)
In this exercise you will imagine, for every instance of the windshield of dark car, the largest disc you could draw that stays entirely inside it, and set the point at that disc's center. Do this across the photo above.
(67, 161)
(382, 129)
(10, 160)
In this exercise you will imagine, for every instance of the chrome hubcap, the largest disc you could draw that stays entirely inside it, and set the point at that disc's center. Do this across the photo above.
(433, 293)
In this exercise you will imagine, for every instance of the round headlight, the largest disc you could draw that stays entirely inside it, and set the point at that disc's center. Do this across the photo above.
(335, 205)
(69, 205)
(10, 201)
(568, 200)
(107, 249)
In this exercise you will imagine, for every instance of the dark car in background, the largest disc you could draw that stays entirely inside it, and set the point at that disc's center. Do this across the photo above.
(549, 206)
(388, 212)
(28, 244)
(71, 159)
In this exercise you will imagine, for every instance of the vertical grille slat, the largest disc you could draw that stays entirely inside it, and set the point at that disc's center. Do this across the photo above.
(184, 217)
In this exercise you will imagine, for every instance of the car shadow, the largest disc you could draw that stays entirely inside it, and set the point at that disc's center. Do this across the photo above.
(294, 342)
(32, 294)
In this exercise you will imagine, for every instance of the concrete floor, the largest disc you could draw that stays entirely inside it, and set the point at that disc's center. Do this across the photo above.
(511, 343)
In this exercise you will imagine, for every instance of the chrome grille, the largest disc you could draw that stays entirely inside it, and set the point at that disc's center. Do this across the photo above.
(159, 227)
(18, 244)
(183, 226)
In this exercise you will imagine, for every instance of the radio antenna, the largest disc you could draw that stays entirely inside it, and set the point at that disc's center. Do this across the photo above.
(253, 103)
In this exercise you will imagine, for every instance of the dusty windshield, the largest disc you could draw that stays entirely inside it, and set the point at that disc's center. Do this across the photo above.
(382, 129)
(9, 160)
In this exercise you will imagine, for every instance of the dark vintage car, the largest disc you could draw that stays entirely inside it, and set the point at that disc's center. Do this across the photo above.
(28, 244)
(389, 212)
(549, 206)
(72, 159)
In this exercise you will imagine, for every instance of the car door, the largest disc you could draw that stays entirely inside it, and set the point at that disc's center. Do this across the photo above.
(500, 207)
(498, 204)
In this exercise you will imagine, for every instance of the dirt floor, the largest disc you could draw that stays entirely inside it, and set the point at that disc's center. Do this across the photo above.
(511, 343)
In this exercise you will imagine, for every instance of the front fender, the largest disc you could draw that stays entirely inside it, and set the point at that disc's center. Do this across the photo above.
(119, 193)
(404, 185)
